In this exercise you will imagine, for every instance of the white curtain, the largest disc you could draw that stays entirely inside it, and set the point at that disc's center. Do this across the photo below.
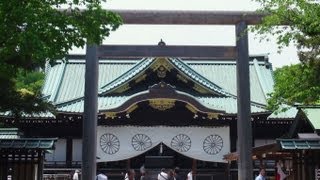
(124, 142)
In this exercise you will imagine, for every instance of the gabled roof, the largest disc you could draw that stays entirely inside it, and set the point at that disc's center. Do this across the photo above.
(64, 84)
(127, 76)
(313, 115)
(176, 63)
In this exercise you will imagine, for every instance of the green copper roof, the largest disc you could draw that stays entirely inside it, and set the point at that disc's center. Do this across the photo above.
(228, 104)
(27, 143)
(9, 133)
(217, 75)
(138, 68)
(291, 144)
(288, 114)
(180, 65)
(177, 63)
(223, 74)
(313, 115)
(71, 84)
(64, 84)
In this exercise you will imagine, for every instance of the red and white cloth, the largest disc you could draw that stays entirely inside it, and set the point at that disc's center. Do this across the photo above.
(280, 174)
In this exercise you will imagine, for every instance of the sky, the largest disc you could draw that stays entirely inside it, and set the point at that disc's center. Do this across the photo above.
(193, 34)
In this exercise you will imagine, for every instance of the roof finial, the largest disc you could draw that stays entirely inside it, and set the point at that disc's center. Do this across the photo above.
(161, 43)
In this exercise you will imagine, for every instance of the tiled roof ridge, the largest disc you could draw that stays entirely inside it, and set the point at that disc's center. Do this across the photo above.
(182, 66)
(136, 69)
(143, 64)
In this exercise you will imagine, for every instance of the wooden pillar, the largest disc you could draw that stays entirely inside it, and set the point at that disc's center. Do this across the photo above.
(12, 163)
(194, 166)
(40, 165)
(89, 138)
(243, 94)
(308, 164)
(6, 162)
(26, 172)
(294, 166)
(233, 135)
(69, 152)
(228, 175)
(32, 173)
(128, 164)
(303, 174)
(20, 167)
(3, 166)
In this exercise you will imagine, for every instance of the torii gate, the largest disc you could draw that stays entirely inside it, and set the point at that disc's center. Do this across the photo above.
(238, 52)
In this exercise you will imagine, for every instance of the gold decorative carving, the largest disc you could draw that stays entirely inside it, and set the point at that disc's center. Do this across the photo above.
(111, 115)
(200, 89)
(123, 88)
(213, 115)
(161, 103)
(161, 72)
(191, 108)
(162, 66)
(141, 78)
(161, 62)
(181, 78)
(132, 108)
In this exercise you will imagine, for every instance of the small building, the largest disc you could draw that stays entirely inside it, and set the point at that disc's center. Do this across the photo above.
(297, 152)
(157, 112)
(22, 158)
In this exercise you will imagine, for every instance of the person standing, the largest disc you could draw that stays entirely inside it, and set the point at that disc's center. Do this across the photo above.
(189, 176)
(102, 176)
(130, 175)
(162, 175)
(177, 174)
(76, 175)
(171, 175)
(142, 172)
(280, 174)
(262, 173)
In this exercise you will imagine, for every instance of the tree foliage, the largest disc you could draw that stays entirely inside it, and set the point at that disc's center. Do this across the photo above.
(295, 84)
(298, 22)
(36, 31)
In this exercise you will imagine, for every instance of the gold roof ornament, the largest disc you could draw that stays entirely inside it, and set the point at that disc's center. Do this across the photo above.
(213, 115)
(111, 115)
(132, 108)
(191, 108)
(162, 104)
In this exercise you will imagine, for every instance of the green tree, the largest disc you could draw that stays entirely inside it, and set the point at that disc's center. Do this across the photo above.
(36, 31)
(298, 22)
(295, 84)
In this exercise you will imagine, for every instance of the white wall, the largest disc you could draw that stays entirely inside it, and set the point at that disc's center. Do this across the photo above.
(59, 154)
(77, 150)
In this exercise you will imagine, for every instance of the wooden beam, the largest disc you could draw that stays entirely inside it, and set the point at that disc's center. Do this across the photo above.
(216, 52)
(189, 17)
